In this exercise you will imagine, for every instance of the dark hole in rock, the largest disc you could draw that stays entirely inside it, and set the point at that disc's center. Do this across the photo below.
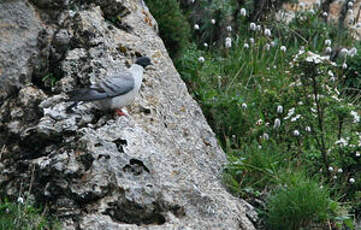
(87, 160)
(139, 163)
(34, 145)
(144, 110)
(98, 145)
(120, 143)
(131, 213)
(107, 157)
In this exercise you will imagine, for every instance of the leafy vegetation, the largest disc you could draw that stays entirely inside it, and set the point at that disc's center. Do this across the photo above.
(283, 99)
(22, 215)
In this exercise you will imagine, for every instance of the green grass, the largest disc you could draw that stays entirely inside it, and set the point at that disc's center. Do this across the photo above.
(23, 216)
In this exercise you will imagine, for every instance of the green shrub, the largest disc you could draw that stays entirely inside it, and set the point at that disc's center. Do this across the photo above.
(23, 216)
(299, 203)
(173, 26)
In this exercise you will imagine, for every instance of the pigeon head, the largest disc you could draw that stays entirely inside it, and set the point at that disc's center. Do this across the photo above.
(143, 61)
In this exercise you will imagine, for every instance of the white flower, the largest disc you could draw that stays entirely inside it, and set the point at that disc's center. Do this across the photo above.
(311, 11)
(335, 177)
(205, 44)
(283, 48)
(302, 5)
(293, 119)
(265, 136)
(259, 122)
(325, 14)
(280, 109)
(296, 133)
(343, 52)
(196, 26)
(328, 42)
(352, 52)
(192, 1)
(342, 142)
(228, 43)
(252, 26)
(244, 106)
(351, 180)
(277, 123)
(350, 4)
(267, 47)
(20, 200)
(273, 44)
(328, 50)
(213, 21)
(330, 169)
(229, 28)
(251, 40)
(246, 46)
(290, 113)
(267, 32)
(349, 11)
(259, 27)
(201, 59)
(357, 154)
(308, 129)
(356, 117)
(330, 73)
(340, 170)
(243, 12)
(344, 66)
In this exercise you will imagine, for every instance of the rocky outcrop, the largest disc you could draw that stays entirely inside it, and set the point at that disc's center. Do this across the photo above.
(158, 168)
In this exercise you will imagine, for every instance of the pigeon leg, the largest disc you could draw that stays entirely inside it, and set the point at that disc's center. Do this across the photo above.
(120, 112)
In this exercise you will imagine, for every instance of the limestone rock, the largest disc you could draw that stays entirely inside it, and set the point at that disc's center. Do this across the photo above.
(158, 168)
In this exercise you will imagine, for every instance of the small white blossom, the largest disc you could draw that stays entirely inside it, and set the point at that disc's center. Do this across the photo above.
(201, 59)
(244, 106)
(196, 26)
(259, 27)
(20, 200)
(350, 4)
(259, 122)
(357, 154)
(351, 180)
(302, 5)
(192, 1)
(308, 129)
(330, 169)
(328, 42)
(277, 123)
(228, 43)
(293, 119)
(330, 73)
(342, 142)
(252, 26)
(246, 46)
(349, 11)
(243, 12)
(280, 109)
(290, 113)
(343, 52)
(205, 44)
(213, 21)
(344, 66)
(328, 50)
(296, 133)
(273, 44)
(229, 28)
(265, 136)
(335, 177)
(311, 11)
(251, 40)
(352, 52)
(267, 32)
(356, 117)
(325, 14)
(340, 170)
(283, 48)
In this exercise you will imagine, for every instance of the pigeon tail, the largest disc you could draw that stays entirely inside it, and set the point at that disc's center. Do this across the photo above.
(87, 94)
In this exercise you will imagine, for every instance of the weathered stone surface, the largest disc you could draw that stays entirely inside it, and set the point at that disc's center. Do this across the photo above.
(158, 168)
(19, 29)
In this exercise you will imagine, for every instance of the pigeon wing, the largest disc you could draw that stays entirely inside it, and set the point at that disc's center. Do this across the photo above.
(87, 94)
(118, 84)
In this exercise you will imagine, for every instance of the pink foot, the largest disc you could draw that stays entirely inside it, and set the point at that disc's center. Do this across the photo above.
(120, 112)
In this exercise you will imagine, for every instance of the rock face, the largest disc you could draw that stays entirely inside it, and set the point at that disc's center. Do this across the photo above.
(158, 168)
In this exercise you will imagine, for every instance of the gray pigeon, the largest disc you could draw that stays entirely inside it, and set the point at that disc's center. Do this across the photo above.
(115, 91)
